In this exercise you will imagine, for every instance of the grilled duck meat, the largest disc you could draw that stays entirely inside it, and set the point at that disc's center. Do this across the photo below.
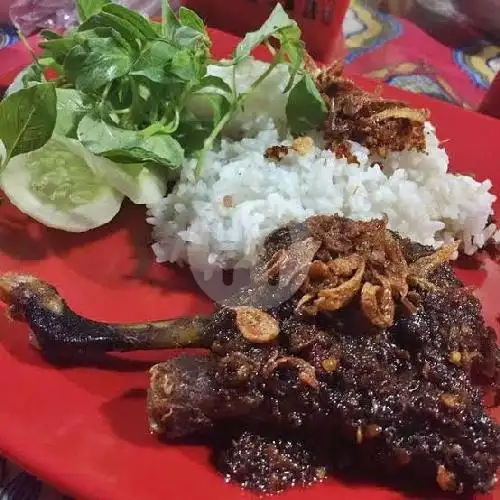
(372, 347)
(63, 335)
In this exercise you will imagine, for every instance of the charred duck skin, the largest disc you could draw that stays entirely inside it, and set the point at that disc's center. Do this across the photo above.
(60, 333)
(380, 354)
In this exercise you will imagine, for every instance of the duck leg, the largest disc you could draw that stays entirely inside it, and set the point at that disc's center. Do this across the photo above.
(61, 334)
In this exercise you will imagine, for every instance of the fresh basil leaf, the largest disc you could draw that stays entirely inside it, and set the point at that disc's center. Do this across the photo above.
(188, 17)
(50, 63)
(192, 134)
(293, 50)
(128, 146)
(219, 104)
(154, 61)
(120, 95)
(60, 47)
(305, 110)
(277, 20)
(87, 8)
(134, 18)
(27, 119)
(188, 37)
(187, 66)
(212, 82)
(71, 108)
(170, 23)
(161, 149)
(99, 136)
(95, 63)
(143, 102)
(127, 31)
(157, 27)
(29, 76)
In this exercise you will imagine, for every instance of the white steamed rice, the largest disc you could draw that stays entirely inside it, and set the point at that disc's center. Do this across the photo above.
(420, 198)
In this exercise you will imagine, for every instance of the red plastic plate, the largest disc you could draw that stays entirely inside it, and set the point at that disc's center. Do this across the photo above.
(84, 429)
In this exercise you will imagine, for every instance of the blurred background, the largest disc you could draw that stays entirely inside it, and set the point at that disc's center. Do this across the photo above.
(447, 49)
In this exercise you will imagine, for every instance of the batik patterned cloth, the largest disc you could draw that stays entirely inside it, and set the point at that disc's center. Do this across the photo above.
(380, 46)
(400, 53)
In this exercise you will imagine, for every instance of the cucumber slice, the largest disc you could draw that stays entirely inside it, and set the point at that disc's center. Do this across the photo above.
(58, 186)
(143, 185)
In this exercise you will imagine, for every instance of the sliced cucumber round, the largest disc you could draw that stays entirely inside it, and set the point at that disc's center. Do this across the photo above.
(143, 185)
(58, 186)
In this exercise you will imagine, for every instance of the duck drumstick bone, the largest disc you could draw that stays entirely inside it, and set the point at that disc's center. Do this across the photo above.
(60, 333)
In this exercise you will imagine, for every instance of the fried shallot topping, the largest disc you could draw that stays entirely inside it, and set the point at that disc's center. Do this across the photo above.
(301, 145)
(255, 325)
(445, 479)
(381, 125)
(363, 261)
(344, 150)
(276, 153)
(306, 372)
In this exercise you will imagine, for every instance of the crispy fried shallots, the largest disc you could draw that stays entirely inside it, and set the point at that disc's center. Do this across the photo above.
(372, 270)
(382, 125)
(255, 325)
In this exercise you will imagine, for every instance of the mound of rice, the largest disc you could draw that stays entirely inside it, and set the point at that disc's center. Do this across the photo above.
(221, 218)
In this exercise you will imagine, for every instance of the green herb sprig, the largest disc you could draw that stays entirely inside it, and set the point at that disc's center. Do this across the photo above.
(125, 82)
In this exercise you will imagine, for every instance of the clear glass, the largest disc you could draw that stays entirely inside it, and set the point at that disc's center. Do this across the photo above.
(31, 15)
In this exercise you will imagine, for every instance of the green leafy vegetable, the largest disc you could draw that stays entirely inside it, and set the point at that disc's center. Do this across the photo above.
(212, 82)
(99, 136)
(169, 23)
(60, 47)
(140, 23)
(154, 61)
(27, 119)
(95, 63)
(187, 66)
(128, 146)
(161, 149)
(191, 19)
(306, 109)
(138, 91)
(129, 35)
(32, 74)
(71, 108)
(29, 76)
(278, 20)
(188, 37)
(87, 8)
